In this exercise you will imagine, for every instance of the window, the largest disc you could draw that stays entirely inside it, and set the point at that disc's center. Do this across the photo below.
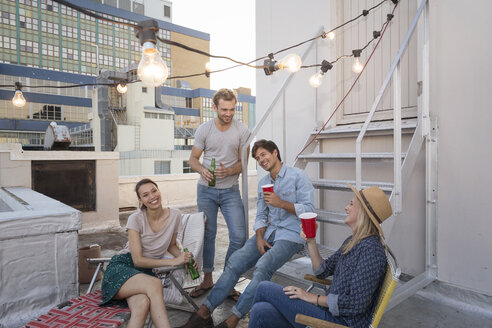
(144, 89)
(189, 103)
(125, 5)
(186, 167)
(111, 3)
(158, 116)
(167, 11)
(162, 167)
(138, 8)
(48, 112)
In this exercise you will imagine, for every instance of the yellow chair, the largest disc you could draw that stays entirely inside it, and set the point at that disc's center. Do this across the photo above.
(391, 278)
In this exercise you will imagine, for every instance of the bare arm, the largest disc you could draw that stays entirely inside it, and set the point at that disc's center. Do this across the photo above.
(261, 243)
(316, 258)
(173, 246)
(271, 198)
(197, 166)
(144, 262)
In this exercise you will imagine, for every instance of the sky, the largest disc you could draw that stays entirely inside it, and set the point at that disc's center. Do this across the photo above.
(231, 25)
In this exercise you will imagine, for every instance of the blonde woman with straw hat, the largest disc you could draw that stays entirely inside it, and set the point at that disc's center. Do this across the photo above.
(358, 268)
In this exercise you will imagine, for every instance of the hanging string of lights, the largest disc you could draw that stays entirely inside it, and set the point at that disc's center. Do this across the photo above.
(388, 18)
(153, 71)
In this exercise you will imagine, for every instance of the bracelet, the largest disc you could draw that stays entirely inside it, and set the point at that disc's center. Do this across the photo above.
(317, 300)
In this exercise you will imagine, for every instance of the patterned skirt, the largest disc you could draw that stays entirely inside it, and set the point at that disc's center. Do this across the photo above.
(119, 270)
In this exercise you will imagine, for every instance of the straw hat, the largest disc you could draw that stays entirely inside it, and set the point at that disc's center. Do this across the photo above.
(375, 203)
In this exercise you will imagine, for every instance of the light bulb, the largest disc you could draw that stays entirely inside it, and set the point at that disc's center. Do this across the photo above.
(330, 35)
(357, 67)
(291, 63)
(316, 80)
(208, 66)
(18, 99)
(152, 70)
(122, 88)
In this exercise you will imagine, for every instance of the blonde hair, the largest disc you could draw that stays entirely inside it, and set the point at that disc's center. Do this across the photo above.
(363, 229)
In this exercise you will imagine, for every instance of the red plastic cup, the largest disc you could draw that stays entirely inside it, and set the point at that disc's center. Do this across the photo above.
(308, 221)
(267, 188)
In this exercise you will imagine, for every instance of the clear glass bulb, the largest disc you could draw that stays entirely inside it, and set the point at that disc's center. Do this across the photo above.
(316, 80)
(330, 35)
(291, 63)
(122, 88)
(152, 70)
(357, 67)
(18, 99)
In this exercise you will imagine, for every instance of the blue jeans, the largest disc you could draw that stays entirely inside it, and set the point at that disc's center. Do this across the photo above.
(272, 308)
(240, 262)
(229, 200)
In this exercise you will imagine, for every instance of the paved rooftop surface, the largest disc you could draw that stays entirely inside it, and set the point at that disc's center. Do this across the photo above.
(429, 308)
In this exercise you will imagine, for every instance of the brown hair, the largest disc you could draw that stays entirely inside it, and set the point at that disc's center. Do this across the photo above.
(141, 183)
(225, 94)
(269, 145)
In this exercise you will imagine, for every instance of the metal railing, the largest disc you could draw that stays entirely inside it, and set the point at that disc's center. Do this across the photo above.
(258, 126)
(394, 73)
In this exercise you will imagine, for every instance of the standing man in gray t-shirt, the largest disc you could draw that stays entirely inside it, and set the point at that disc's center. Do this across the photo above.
(220, 138)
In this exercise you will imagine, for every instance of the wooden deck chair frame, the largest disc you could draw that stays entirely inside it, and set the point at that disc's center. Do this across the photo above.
(194, 224)
(391, 278)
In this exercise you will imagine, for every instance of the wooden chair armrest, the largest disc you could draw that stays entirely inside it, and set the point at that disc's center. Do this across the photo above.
(313, 278)
(316, 323)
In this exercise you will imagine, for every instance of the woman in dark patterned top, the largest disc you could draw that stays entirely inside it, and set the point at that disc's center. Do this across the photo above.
(358, 268)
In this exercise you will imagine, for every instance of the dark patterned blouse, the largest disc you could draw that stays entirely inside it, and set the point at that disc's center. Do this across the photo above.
(357, 280)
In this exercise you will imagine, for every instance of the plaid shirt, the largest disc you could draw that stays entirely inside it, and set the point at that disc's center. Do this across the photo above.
(357, 280)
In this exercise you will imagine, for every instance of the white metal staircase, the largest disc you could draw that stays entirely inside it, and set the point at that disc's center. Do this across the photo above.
(416, 133)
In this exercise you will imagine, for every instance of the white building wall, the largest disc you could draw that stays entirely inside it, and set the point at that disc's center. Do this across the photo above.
(157, 134)
(460, 84)
(126, 138)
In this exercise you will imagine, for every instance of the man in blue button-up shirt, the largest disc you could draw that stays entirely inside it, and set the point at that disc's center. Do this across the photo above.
(277, 237)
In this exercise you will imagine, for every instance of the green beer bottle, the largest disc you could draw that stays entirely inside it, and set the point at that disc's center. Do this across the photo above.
(193, 272)
(212, 170)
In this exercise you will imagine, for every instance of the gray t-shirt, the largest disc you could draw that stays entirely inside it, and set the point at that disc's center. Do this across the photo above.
(223, 146)
(154, 244)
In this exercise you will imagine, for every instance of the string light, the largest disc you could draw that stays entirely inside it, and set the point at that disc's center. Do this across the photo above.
(269, 66)
(152, 70)
(357, 66)
(18, 99)
(291, 63)
(208, 69)
(122, 88)
(316, 79)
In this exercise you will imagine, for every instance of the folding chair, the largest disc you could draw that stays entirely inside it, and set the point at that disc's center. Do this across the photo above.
(391, 278)
(190, 237)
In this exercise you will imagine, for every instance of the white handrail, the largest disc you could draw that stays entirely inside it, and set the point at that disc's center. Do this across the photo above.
(396, 61)
(244, 147)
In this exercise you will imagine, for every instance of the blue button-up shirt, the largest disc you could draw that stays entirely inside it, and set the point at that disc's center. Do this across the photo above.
(291, 185)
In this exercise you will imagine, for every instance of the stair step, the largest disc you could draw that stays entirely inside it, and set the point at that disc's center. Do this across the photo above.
(374, 129)
(344, 156)
(331, 216)
(342, 185)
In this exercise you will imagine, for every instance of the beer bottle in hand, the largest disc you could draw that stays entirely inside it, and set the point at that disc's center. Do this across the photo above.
(193, 272)
(212, 170)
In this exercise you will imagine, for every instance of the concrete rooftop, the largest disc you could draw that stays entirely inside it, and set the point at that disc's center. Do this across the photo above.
(437, 305)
